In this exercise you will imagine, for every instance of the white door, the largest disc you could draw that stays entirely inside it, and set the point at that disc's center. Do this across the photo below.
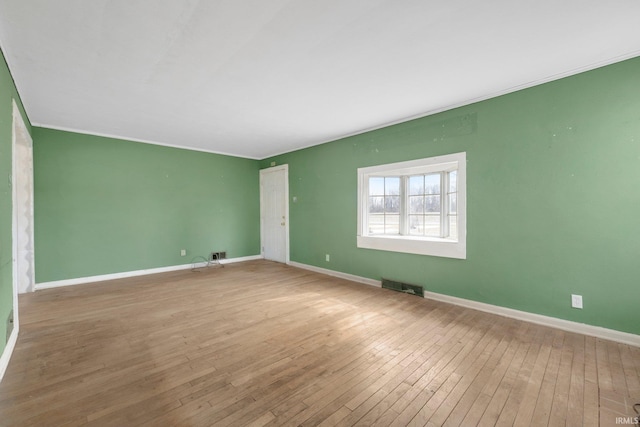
(274, 213)
(23, 259)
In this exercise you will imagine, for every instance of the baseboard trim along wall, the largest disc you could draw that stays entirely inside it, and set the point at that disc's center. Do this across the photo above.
(8, 351)
(565, 325)
(333, 273)
(104, 277)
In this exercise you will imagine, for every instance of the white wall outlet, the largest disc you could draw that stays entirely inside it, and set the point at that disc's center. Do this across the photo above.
(327, 257)
(183, 252)
(576, 301)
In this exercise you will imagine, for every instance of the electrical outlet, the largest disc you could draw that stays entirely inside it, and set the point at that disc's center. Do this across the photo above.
(576, 301)
(183, 252)
(327, 257)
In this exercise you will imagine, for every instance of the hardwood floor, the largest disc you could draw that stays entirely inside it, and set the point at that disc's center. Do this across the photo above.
(263, 344)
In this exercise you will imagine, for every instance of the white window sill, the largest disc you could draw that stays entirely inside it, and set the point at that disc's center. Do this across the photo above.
(415, 245)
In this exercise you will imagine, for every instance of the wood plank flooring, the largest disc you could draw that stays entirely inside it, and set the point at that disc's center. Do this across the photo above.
(264, 344)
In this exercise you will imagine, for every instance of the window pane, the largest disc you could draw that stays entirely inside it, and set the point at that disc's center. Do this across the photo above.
(392, 204)
(416, 225)
(376, 186)
(432, 203)
(391, 186)
(453, 181)
(416, 185)
(376, 224)
(432, 225)
(432, 183)
(376, 204)
(391, 224)
(416, 204)
(453, 227)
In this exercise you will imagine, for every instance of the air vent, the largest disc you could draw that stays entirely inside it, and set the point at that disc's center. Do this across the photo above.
(403, 287)
(217, 256)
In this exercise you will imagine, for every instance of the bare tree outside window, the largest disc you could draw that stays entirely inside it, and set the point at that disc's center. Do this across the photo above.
(424, 196)
(415, 206)
(384, 205)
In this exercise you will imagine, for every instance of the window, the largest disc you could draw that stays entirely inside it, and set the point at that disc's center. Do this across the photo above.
(416, 207)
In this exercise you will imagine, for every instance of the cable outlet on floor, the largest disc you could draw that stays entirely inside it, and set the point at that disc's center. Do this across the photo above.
(576, 301)
(183, 252)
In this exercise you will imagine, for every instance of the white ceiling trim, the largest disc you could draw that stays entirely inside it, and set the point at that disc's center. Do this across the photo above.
(470, 101)
(143, 141)
(360, 132)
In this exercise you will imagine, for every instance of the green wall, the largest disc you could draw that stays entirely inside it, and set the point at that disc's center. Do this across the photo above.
(105, 205)
(553, 200)
(8, 93)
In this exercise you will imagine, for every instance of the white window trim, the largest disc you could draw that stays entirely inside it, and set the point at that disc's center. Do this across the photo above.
(441, 247)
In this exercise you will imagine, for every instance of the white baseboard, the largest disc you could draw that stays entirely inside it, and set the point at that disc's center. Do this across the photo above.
(554, 322)
(565, 325)
(241, 259)
(123, 275)
(8, 351)
(333, 273)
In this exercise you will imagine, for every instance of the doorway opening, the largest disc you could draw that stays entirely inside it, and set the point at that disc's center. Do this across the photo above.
(274, 213)
(22, 196)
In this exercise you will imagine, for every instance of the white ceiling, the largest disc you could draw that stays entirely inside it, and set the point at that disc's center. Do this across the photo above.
(255, 78)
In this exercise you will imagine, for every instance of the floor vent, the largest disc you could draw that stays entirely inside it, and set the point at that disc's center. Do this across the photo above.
(403, 287)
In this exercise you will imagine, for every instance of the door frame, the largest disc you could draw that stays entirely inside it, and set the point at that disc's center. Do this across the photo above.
(19, 127)
(263, 172)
